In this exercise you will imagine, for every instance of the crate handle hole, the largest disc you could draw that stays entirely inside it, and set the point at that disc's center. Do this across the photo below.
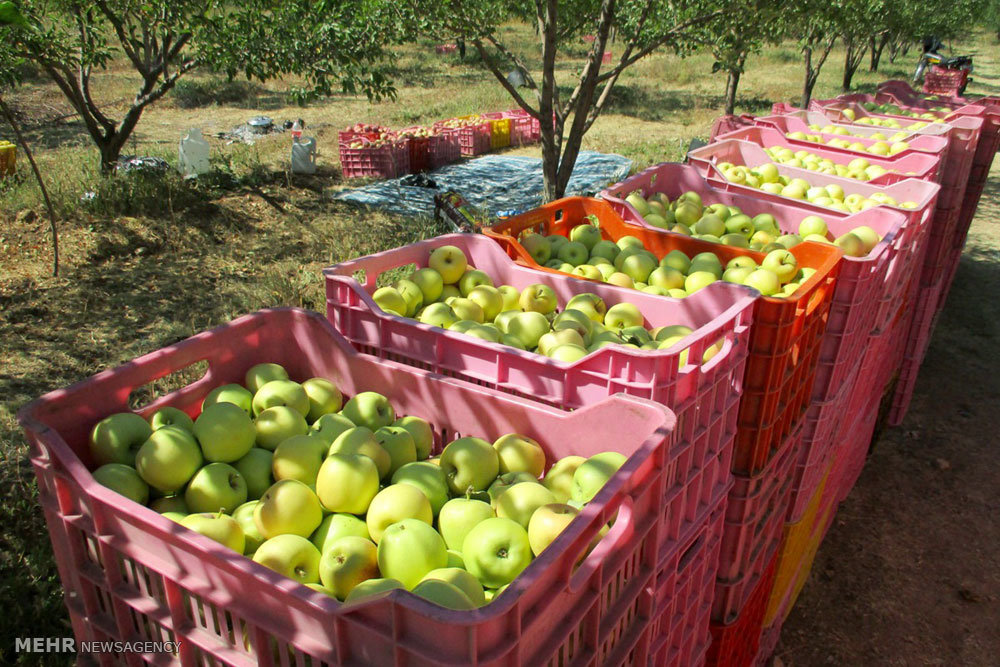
(145, 394)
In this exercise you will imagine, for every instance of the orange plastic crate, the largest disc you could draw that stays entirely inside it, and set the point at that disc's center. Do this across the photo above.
(785, 338)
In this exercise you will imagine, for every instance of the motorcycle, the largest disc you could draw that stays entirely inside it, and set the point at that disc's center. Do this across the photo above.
(931, 57)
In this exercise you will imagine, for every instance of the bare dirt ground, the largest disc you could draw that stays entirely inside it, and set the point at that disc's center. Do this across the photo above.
(908, 574)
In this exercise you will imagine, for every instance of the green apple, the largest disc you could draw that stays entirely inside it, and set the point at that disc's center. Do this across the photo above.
(782, 263)
(261, 374)
(869, 237)
(229, 393)
(335, 526)
(502, 321)
(117, 438)
(553, 339)
(470, 464)
(216, 487)
(299, 457)
(347, 562)
(637, 202)
(559, 478)
(520, 501)
(621, 280)
(588, 272)
(369, 409)
(279, 423)
(444, 594)
(461, 579)
(455, 559)
(412, 294)
(698, 280)
(171, 417)
(764, 281)
(372, 587)
(420, 431)
(737, 275)
(219, 527)
(588, 235)
(168, 459)
(638, 267)
(176, 517)
(395, 503)
(391, 301)
(851, 244)
(360, 440)
(347, 483)
(489, 299)
(789, 241)
(677, 260)
(438, 315)
(449, 291)
(450, 262)
(225, 432)
(281, 392)
(320, 588)
(255, 466)
(124, 480)
(605, 249)
(428, 478)
(174, 503)
(324, 398)
(505, 481)
(667, 278)
(589, 304)
(244, 517)
(813, 224)
(593, 474)
(511, 296)
(496, 551)
(330, 426)
(409, 549)
(430, 283)
(623, 315)
(568, 353)
(574, 253)
(471, 279)
(519, 453)
(528, 327)
(288, 507)
(291, 555)
(538, 298)
(547, 522)
(398, 443)
(538, 247)
(574, 319)
(458, 516)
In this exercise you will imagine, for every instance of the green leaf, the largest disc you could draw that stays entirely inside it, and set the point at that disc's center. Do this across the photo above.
(11, 15)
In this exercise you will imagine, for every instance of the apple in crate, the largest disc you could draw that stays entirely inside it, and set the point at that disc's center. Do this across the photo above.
(361, 441)
(399, 444)
(335, 526)
(593, 474)
(171, 417)
(347, 562)
(450, 262)
(470, 464)
(117, 438)
(444, 594)
(330, 426)
(299, 457)
(409, 549)
(288, 507)
(230, 393)
(124, 480)
(216, 487)
(261, 374)
(255, 466)
(369, 409)
(428, 478)
(461, 579)
(277, 424)
(420, 430)
(496, 551)
(219, 527)
(393, 504)
(225, 432)
(520, 501)
(251, 534)
(168, 459)
(324, 398)
(559, 478)
(373, 587)
(347, 483)
(458, 516)
(547, 522)
(291, 555)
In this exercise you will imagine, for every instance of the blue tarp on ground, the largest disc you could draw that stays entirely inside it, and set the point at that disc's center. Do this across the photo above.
(492, 183)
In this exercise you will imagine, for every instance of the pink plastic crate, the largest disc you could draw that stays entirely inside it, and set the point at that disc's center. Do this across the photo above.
(524, 129)
(390, 161)
(133, 575)
(751, 153)
(819, 442)
(944, 81)
(909, 247)
(735, 644)
(444, 149)
(473, 139)
(685, 583)
(919, 338)
(855, 442)
(755, 514)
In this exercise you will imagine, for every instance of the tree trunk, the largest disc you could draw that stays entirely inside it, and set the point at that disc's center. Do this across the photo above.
(5, 110)
(807, 86)
(733, 83)
(852, 60)
(876, 52)
(894, 49)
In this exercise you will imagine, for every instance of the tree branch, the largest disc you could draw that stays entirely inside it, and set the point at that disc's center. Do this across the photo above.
(501, 77)
(507, 53)
(627, 60)
(126, 42)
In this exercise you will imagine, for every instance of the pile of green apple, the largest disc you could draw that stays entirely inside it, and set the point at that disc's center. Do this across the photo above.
(675, 275)
(830, 196)
(719, 223)
(451, 295)
(344, 497)
(893, 110)
(883, 148)
(843, 131)
(859, 168)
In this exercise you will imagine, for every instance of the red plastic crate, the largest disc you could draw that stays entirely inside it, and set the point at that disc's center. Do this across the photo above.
(755, 513)
(419, 148)
(684, 585)
(855, 443)
(524, 129)
(133, 575)
(444, 148)
(943, 81)
(787, 333)
(735, 644)
(389, 161)
(919, 338)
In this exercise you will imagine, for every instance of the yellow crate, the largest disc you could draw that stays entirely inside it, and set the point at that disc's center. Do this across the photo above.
(500, 133)
(794, 554)
(8, 156)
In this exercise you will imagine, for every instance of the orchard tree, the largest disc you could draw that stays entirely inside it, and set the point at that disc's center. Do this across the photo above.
(860, 23)
(640, 28)
(11, 19)
(328, 43)
(760, 26)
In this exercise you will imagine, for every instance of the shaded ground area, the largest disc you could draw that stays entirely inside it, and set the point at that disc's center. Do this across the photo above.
(908, 574)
